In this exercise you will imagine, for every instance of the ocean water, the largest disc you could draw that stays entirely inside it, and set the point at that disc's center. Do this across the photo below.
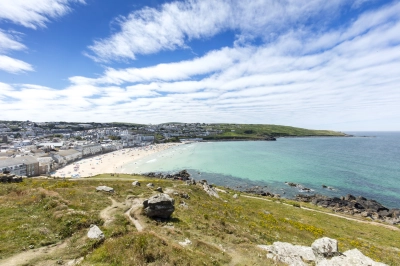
(366, 166)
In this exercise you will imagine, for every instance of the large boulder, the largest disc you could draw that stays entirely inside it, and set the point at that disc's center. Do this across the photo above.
(160, 205)
(105, 189)
(323, 252)
(289, 254)
(325, 247)
(350, 257)
(95, 232)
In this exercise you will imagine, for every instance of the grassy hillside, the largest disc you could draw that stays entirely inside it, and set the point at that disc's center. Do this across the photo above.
(253, 131)
(223, 231)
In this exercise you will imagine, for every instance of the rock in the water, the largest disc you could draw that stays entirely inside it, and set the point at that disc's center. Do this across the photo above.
(150, 185)
(351, 257)
(325, 247)
(95, 232)
(105, 189)
(160, 205)
(136, 183)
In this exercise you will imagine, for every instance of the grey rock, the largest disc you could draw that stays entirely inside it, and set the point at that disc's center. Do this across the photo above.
(184, 195)
(323, 252)
(136, 183)
(105, 189)
(95, 232)
(325, 247)
(235, 196)
(290, 254)
(150, 185)
(160, 205)
(351, 257)
(159, 189)
(209, 189)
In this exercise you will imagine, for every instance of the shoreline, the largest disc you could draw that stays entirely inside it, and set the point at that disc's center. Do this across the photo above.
(111, 162)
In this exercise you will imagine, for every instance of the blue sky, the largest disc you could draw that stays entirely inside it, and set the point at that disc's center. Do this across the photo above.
(307, 63)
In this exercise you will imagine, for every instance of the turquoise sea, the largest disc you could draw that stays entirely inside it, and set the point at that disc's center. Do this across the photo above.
(367, 166)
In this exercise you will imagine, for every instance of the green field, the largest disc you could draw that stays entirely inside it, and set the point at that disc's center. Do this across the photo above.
(252, 131)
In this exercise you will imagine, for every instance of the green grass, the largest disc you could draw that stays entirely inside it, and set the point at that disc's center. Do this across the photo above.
(253, 131)
(223, 231)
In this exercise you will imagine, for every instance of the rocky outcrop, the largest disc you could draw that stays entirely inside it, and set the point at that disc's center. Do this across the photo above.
(182, 175)
(209, 189)
(355, 206)
(9, 178)
(350, 257)
(270, 138)
(325, 247)
(258, 191)
(323, 252)
(289, 254)
(95, 232)
(105, 189)
(160, 205)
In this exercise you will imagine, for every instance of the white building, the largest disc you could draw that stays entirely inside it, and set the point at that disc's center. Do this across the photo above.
(89, 150)
(70, 155)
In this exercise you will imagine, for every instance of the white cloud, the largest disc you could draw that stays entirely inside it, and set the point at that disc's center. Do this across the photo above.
(34, 14)
(150, 30)
(9, 42)
(301, 78)
(31, 14)
(13, 65)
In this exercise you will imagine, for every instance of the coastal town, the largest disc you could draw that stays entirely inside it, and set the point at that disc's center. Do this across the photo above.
(32, 149)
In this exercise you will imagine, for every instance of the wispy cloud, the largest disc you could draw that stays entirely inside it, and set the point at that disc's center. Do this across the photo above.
(8, 42)
(173, 25)
(34, 14)
(13, 65)
(30, 14)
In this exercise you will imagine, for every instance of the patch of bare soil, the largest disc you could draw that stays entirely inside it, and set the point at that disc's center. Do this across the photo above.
(25, 257)
(133, 213)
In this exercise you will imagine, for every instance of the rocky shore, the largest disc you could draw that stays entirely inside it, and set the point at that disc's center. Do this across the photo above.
(359, 206)
(349, 204)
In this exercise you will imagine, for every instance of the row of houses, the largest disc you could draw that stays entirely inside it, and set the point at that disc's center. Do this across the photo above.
(34, 166)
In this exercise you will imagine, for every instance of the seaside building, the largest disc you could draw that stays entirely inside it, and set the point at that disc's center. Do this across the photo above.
(89, 150)
(70, 155)
(21, 166)
(45, 165)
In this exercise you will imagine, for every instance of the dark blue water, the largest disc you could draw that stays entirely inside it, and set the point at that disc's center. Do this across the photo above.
(367, 166)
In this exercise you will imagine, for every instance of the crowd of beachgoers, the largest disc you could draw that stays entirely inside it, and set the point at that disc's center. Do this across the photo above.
(110, 162)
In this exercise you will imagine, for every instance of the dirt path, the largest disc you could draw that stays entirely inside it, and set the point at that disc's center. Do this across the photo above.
(133, 213)
(394, 228)
(29, 255)
(25, 257)
(107, 214)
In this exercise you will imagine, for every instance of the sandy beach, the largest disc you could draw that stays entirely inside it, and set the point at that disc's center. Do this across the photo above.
(110, 162)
